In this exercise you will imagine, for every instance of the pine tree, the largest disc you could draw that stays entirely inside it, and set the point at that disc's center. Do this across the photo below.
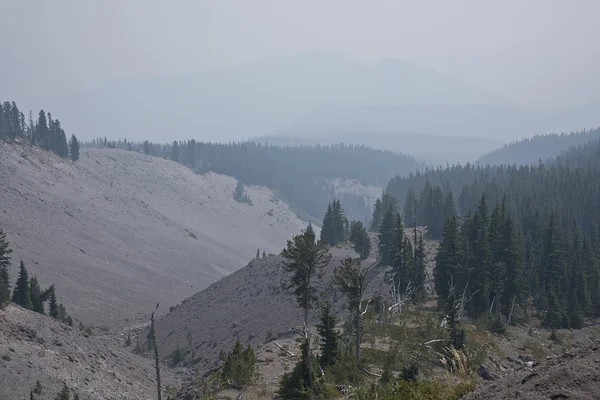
(386, 235)
(554, 317)
(175, 151)
(74, 148)
(398, 261)
(298, 384)
(22, 292)
(64, 393)
(328, 227)
(309, 229)
(329, 336)
(419, 272)
(340, 222)
(377, 215)
(42, 137)
(350, 279)
(5, 252)
(409, 207)
(481, 260)
(304, 259)
(360, 239)
(54, 307)
(448, 261)
(264, 255)
(37, 295)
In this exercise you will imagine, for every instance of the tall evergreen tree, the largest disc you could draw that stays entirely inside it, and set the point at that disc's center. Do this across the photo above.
(386, 235)
(328, 227)
(5, 252)
(350, 279)
(449, 259)
(304, 259)
(175, 151)
(480, 259)
(74, 148)
(419, 274)
(360, 239)
(329, 336)
(400, 274)
(22, 292)
(377, 216)
(37, 295)
(54, 310)
(42, 137)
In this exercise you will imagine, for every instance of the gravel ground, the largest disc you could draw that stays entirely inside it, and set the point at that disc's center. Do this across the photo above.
(34, 348)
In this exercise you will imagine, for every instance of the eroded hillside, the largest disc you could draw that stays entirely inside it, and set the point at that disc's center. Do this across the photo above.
(36, 348)
(118, 231)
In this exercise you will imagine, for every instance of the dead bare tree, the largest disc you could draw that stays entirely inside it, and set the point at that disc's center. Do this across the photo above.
(399, 299)
(156, 356)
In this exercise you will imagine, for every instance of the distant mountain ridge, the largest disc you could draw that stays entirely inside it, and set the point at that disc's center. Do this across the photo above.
(538, 148)
(447, 149)
(253, 100)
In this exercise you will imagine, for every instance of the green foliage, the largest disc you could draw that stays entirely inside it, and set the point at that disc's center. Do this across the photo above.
(335, 224)
(329, 337)
(240, 195)
(22, 292)
(54, 311)
(74, 148)
(5, 252)
(37, 295)
(359, 238)
(239, 366)
(296, 385)
(64, 394)
(387, 234)
(418, 390)
(304, 259)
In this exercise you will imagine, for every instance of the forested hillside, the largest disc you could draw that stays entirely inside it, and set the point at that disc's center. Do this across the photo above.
(44, 132)
(540, 147)
(517, 235)
(302, 175)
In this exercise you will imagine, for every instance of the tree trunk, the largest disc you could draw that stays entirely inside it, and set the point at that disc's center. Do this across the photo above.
(307, 336)
(156, 357)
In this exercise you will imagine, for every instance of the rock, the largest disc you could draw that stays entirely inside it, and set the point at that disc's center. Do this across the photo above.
(484, 372)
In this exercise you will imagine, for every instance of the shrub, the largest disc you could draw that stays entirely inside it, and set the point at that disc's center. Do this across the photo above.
(239, 366)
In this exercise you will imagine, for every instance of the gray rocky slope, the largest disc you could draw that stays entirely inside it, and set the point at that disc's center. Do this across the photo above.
(34, 348)
(248, 305)
(118, 231)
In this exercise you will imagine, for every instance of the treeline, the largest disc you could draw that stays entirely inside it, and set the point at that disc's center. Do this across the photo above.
(567, 186)
(539, 246)
(335, 229)
(44, 132)
(27, 292)
(539, 147)
(302, 175)
(406, 255)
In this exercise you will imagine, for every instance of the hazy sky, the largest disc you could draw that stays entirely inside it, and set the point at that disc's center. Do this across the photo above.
(537, 53)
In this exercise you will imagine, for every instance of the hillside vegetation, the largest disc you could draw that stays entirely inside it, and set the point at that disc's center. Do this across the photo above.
(530, 151)
(303, 176)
